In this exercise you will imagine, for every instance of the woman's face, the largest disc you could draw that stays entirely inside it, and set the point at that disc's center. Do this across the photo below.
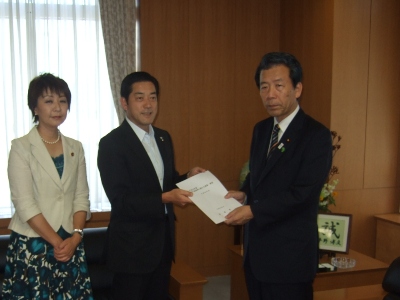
(51, 109)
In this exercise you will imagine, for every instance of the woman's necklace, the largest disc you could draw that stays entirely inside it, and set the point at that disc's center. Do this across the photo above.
(51, 143)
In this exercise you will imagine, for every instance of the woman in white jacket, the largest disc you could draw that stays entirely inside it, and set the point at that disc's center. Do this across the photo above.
(47, 176)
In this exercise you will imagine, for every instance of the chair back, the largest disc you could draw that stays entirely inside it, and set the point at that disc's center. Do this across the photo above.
(391, 281)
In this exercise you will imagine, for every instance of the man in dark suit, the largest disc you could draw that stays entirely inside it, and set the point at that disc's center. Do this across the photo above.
(137, 169)
(281, 192)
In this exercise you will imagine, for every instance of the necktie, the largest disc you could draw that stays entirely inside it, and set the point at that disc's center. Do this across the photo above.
(274, 139)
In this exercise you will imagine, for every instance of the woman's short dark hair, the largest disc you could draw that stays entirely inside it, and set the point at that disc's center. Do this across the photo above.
(129, 80)
(273, 59)
(42, 83)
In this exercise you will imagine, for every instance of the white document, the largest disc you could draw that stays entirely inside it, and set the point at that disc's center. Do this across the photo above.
(208, 195)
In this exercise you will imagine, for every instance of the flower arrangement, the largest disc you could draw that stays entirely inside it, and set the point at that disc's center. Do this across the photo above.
(328, 194)
(243, 173)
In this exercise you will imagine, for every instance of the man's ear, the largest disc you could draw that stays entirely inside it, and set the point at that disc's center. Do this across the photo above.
(124, 103)
(298, 89)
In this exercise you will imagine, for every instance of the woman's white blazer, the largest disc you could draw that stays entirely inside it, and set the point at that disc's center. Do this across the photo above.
(37, 188)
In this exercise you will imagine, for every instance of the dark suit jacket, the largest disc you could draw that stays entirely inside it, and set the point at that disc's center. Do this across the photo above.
(137, 226)
(281, 241)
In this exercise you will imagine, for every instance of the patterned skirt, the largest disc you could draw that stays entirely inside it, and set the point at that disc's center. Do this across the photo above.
(32, 272)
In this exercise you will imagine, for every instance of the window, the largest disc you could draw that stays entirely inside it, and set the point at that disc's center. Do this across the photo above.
(63, 38)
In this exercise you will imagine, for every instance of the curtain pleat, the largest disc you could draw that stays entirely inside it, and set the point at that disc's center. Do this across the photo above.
(119, 19)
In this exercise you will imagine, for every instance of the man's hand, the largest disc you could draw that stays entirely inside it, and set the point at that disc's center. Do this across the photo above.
(194, 171)
(239, 216)
(239, 196)
(177, 196)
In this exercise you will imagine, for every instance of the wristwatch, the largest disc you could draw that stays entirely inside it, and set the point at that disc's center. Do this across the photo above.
(80, 231)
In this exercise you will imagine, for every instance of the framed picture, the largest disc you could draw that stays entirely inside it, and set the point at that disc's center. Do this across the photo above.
(334, 232)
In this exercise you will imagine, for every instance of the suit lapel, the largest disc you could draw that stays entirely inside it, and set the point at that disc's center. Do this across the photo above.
(42, 156)
(164, 147)
(71, 159)
(138, 150)
(287, 141)
(161, 141)
(261, 148)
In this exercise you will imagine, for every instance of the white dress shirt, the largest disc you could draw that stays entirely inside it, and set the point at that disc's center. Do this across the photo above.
(150, 145)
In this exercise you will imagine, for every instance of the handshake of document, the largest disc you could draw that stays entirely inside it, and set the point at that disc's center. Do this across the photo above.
(209, 196)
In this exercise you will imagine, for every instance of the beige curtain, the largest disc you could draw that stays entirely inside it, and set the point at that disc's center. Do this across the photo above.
(118, 19)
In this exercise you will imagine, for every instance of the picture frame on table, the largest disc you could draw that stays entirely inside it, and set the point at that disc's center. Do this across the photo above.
(334, 232)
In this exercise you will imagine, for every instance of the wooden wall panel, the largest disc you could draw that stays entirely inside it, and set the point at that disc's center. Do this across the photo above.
(383, 111)
(349, 116)
(365, 112)
(317, 59)
(212, 46)
(205, 53)
(211, 138)
(348, 52)
(307, 32)
(350, 88)
(252, 42)
(363, 205)
(164, 54)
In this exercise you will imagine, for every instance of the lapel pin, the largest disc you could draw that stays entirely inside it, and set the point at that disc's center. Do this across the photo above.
(281, 147)
(72, 154)
(161, 138)
(288, 140)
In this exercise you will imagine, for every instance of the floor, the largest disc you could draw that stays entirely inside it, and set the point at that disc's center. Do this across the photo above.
(217, 288)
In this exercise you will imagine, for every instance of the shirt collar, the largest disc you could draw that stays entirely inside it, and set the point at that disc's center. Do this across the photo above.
(284, 124)
(139, 131)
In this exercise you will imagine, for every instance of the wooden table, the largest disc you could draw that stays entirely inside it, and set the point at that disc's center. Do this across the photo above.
(238, 283)
(365, 292)
(387, 237)
(367, 271)
(185, 283)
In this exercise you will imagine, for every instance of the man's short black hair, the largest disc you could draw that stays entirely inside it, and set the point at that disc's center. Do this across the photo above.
(129, 80)
(273, 59)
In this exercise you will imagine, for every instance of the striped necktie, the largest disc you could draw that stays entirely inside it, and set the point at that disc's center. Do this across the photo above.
(274, 139)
